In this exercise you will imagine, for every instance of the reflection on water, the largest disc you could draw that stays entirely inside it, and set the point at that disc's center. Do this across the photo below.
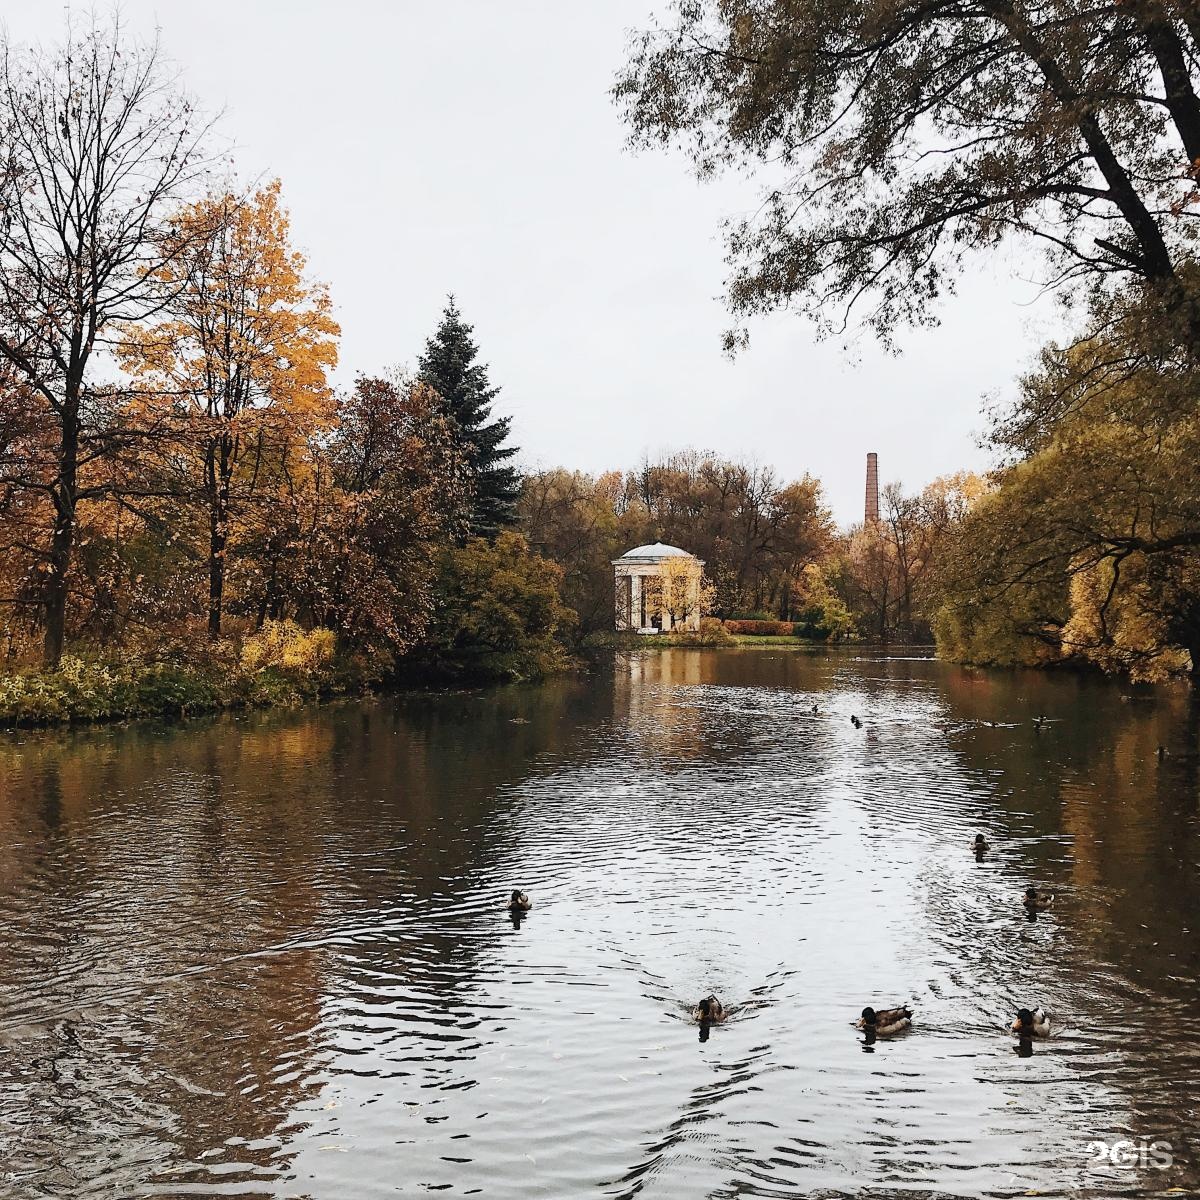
(272, 955)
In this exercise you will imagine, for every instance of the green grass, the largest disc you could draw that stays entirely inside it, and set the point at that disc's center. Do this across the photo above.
(753, 639)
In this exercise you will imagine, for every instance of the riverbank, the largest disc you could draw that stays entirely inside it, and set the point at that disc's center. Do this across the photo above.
(90, 690)
(278, 666)
(283, 666)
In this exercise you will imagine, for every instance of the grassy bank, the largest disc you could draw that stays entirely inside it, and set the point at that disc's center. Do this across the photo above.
(745, 639)
(709, 639)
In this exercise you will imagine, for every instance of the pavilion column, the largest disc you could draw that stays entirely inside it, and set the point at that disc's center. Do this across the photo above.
(635, 615)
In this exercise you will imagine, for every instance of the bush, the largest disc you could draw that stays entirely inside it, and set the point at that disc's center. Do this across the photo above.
(761, 628)
(497, 615)
(712, 633)
(284, 645)
(280, 664)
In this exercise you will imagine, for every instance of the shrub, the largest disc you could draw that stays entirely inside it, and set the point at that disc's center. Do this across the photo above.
(281, 664)
(761, 628)
(287, 647)
(712, 633)
(498, 615)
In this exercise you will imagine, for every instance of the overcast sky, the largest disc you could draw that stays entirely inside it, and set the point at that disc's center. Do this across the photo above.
(430, 146)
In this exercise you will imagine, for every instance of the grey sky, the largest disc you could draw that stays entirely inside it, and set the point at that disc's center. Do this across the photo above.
(471, 146)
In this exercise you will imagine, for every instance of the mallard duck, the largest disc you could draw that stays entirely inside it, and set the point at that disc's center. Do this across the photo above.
(855, 722)
(519, 902)
(886, 1020)
(1033, 899)
(709, 1009)
(980, 843)
(1031, 1023)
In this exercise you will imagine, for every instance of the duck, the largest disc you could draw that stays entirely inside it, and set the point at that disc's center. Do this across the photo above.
(1031, 1023)
(709, 1009)
(1033, 899)
(855, 722)
(519, 902)
(886, 1020)
(980, 843)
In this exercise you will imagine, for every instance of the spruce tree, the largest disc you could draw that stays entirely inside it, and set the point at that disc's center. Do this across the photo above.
(449, 367)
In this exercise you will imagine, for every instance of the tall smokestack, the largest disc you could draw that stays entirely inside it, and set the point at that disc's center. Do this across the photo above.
(871, 512)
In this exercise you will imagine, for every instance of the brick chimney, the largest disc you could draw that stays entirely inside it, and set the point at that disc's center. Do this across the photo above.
(871, 510)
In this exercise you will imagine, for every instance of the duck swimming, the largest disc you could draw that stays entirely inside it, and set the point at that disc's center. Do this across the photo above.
(1034, 900)
(1031, 1023)
(886, 1020)
(979, 844)
(519, 902)
(709, 1009)
(855, 722)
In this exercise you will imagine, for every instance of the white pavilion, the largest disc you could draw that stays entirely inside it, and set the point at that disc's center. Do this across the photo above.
(631, 571)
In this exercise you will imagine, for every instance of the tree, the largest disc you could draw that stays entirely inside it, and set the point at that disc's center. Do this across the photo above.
(678, 593)
(449, 367)
(368, 525)
(903, 137)
(243, 348)
(99, 145)
(1089, 544)
(498, 612)
(890, 563)
(572, 519)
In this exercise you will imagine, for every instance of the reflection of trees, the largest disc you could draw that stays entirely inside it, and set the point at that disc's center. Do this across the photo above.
(186, 902)
(1126, 945)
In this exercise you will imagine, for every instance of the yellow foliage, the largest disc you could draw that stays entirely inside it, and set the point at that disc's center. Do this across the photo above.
(1117, 623)
(679, 591)
(283, 644)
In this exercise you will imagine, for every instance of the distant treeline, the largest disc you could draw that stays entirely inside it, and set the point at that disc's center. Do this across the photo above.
(771, 549)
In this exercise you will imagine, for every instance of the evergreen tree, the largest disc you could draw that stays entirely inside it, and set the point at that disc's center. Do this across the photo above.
(449, 367)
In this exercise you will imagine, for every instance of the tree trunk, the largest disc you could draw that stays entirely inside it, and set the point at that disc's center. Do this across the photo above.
(216, 573)
(217, 476)
(62, 539)
(56, 586)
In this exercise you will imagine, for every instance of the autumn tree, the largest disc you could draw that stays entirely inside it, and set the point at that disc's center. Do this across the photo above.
(898, 139)
(678, 593)
(754, 532)
(498, 612)
(1088, 546)
(449, 366)
(572, 518)
(242, 348)
(357, 541)
(890, 563)
(99, 145)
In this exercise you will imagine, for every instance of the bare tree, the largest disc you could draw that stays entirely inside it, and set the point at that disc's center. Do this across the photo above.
(97, 145)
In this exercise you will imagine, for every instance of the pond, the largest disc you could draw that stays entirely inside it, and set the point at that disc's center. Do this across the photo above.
(269, 955)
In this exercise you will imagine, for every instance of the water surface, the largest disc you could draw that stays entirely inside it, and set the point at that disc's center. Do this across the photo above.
(268, 956)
